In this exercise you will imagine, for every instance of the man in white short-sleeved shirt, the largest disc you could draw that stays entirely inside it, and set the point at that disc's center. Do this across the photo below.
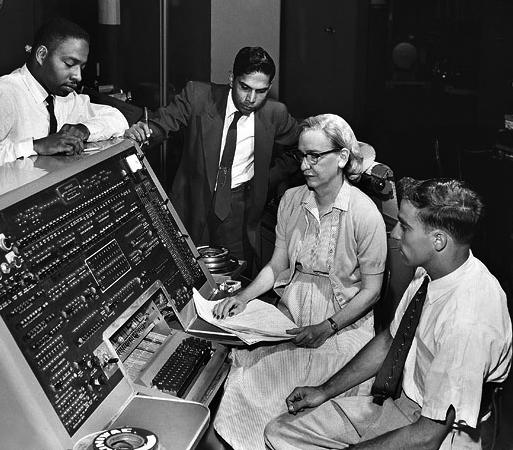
(463, 340)
(40, 111)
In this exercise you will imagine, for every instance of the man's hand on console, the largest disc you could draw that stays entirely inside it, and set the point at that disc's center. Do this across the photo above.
(139, 132)
(79, 130)
(229, 307)
(305, 397)
(60, 142)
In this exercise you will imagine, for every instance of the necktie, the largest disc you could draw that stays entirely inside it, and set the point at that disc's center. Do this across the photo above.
(223, 195)
(53, 120)
(387, 380)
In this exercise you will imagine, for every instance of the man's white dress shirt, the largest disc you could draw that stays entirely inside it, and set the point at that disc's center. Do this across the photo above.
(463, 339)
(243, 161)
(24, 116)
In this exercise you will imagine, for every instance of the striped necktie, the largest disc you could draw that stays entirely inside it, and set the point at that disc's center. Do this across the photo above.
(223, 196)
(387, 382)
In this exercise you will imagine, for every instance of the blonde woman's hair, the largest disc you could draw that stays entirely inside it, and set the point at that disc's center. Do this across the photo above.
(338, 131)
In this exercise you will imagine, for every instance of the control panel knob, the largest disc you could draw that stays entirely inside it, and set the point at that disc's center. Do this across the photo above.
(17, 261)
(57, 386)
(5, 243)
(108, 360)
(5, 268)
(29, 277)
(81, 364)
(97, 381)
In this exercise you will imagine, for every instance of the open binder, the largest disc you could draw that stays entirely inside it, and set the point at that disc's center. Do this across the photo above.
(196, 326)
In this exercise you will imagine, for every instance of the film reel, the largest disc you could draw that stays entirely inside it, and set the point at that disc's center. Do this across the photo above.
(217, 259)
(127, 438)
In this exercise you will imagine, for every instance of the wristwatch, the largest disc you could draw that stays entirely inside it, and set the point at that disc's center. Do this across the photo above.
(333, 325)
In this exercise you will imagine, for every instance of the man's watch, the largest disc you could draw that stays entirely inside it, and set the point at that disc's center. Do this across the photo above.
(333, 324)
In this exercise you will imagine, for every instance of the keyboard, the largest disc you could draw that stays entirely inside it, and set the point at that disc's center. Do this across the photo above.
(183, 365)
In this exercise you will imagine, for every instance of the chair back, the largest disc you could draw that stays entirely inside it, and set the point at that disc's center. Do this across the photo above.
(378, 183)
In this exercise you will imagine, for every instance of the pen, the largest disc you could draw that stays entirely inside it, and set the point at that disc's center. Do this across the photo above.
(146, 122)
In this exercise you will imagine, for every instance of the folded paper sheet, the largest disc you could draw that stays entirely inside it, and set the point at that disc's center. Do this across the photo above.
(260, 321)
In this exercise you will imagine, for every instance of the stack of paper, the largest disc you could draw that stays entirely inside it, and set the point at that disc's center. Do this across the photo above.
(260, 321)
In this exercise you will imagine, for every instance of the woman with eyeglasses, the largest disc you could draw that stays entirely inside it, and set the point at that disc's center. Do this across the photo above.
(327, 265)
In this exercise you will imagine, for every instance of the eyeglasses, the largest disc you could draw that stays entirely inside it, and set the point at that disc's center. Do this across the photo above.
(312, 157)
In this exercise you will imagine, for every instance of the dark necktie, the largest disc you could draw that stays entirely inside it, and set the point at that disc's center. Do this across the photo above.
(223, 196)
(389, 376)
(53, 120)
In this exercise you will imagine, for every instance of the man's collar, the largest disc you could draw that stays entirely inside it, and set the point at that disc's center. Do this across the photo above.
(437, 288)
(230, 106)
(35, 88)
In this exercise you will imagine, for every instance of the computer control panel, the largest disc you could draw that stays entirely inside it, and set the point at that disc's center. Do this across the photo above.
(74, 254)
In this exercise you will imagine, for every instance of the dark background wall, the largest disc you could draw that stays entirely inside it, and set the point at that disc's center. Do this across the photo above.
(434, 114)
(129, 53)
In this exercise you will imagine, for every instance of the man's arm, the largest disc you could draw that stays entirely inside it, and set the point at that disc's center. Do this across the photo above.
(166, 119)
(100, 121)
(60, 142)
(425, 434)
(11, 149)
(363, 366)
(284, 167)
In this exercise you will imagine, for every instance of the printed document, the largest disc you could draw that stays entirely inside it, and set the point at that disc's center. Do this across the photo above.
(260, 321)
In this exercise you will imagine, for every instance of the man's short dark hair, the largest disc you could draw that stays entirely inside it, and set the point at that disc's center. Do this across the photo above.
(56, 30)
(253, 59)
(446, 204)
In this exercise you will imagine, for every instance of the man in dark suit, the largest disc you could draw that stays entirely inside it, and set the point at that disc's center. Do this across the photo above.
(227, 169)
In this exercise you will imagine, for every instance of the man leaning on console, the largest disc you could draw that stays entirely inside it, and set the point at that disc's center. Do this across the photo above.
(40, 112)
(417, 384)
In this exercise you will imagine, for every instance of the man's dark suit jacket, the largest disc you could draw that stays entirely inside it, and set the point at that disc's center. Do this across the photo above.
(200, 110)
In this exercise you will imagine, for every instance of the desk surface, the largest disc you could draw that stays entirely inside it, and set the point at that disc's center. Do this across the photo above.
(178, 424)
(18, 173)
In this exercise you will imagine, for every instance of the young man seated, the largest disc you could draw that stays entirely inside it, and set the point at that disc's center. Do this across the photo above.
(461, 342)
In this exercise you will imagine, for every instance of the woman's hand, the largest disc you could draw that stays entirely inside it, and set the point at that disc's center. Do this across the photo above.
(312, 336)
(229, 307)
